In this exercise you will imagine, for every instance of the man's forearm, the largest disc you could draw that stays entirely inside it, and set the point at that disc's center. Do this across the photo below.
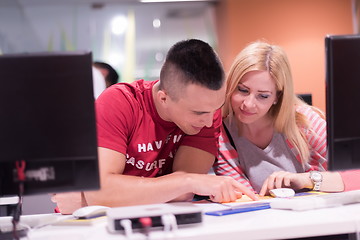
(121, 190)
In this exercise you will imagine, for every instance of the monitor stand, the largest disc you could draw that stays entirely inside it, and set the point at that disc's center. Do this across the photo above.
(7, 233)
(11, 206)
(7, 205)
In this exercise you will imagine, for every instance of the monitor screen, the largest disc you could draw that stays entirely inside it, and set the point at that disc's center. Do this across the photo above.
(48, 122)
(342, 96)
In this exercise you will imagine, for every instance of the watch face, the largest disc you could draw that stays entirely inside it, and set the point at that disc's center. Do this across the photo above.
(315, 176)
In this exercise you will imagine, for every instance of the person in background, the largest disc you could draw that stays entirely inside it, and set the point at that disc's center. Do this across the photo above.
(109, 73)
(158, 139)
(267, 130)
(99, 84)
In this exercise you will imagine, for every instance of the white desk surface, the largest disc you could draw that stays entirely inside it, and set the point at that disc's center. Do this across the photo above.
(262, 224)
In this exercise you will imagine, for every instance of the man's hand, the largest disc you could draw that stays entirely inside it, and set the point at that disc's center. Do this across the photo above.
(281, 179)
(67, 203)
(219, 188)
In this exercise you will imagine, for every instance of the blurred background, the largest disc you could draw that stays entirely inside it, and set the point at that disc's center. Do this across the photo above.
(134, 36)
(131, 36)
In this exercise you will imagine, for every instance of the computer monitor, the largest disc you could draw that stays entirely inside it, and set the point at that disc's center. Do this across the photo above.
(306, 97)
(47, 120)
(342, 101)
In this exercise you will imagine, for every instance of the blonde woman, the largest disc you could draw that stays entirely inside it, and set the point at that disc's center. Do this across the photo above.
(268, 132)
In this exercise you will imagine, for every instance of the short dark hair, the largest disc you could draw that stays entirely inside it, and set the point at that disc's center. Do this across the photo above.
(191, 61)
(112, 76)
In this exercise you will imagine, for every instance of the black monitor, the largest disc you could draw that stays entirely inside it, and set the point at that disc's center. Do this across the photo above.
(47, 121)
(342, 101)
(306, 97)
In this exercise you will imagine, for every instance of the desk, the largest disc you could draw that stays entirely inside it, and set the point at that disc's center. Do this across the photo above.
(263, 224)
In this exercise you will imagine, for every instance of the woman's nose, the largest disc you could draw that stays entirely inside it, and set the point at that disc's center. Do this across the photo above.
(249, 101)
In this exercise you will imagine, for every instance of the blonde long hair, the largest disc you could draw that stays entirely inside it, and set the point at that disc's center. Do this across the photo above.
(271, 58)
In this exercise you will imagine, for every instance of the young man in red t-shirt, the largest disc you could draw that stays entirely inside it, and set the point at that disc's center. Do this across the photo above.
(158, 140)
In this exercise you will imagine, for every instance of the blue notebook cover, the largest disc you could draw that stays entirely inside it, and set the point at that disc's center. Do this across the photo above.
(240, 209)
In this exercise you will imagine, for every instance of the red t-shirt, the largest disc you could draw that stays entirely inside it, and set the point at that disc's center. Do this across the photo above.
(127, 122)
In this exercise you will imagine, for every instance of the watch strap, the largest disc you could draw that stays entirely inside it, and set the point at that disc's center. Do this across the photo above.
(317, 186)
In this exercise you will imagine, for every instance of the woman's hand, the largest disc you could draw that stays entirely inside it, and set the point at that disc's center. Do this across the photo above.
(282, 179)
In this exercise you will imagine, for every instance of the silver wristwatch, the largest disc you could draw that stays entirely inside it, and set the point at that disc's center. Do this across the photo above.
(316, 177)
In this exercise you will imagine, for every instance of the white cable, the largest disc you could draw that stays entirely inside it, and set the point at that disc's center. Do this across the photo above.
(165, 222)
(126, 224)
(173, 222)
(169, 222)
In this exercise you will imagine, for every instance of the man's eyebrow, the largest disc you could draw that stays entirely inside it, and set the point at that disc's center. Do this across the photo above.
(203, 112)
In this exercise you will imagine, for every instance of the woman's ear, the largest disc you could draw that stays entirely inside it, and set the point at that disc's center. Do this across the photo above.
(278, 96)
(276, 99)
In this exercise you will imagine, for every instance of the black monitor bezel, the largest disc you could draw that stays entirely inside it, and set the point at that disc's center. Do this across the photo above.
(343, 149)
(73, 173)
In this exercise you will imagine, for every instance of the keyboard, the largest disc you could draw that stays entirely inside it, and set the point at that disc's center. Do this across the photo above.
(317, 201)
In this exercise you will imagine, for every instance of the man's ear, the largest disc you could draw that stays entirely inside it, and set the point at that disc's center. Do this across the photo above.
(162, 96)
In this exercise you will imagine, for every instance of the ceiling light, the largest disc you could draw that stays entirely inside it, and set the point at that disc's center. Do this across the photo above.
(156, 23)
(118, 25)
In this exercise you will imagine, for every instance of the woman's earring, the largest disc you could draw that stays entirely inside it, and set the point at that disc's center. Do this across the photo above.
(275, 103)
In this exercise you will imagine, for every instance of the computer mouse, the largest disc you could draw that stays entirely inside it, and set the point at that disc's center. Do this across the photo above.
(282, 192)
(90, 212)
